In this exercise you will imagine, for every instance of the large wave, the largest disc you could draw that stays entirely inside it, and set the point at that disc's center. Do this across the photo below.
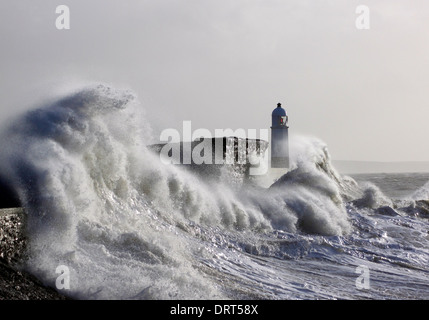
(125, 224)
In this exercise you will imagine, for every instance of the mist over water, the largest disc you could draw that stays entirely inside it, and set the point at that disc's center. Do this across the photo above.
(131, 227)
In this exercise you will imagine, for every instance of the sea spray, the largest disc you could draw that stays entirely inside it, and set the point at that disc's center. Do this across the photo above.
(78, 175)
(128, 226)
(372, 197)
(101, 203)
(314, 191)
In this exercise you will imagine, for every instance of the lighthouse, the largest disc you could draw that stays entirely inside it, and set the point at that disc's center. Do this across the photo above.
(279, 138)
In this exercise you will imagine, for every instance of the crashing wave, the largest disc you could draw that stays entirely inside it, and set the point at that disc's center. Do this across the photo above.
(98, 199)
(315, 191)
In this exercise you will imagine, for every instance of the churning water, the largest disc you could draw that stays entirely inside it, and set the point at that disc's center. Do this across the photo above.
(128, 226)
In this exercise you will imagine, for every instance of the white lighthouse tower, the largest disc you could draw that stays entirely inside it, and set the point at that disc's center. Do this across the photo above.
(279, 138)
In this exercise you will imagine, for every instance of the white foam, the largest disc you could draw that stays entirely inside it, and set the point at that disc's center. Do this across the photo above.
(127, 225)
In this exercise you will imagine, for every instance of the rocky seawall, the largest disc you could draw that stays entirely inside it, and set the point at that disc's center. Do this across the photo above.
(15, 283)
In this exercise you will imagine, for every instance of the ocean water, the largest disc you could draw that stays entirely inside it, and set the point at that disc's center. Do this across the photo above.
(396, 185)
(127, 226)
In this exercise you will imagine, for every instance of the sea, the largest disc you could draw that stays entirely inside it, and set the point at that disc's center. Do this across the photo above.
(106, 219)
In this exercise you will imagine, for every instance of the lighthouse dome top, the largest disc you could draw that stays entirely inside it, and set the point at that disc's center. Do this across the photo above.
(279, 111)
(279, 118)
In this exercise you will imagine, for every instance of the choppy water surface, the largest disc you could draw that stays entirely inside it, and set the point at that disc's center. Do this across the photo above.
(130, 227)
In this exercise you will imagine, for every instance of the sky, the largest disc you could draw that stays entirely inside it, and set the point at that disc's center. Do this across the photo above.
(227, 63)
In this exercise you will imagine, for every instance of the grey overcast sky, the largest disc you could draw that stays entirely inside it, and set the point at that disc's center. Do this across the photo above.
(226, 63)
